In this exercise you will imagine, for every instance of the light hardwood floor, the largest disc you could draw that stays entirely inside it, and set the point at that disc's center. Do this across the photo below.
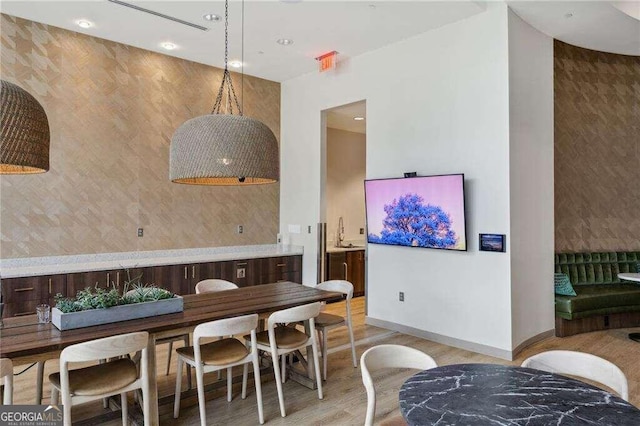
(344, 400)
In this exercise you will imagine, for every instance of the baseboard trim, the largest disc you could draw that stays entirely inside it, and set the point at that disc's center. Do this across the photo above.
(532, 340)
(439, 338)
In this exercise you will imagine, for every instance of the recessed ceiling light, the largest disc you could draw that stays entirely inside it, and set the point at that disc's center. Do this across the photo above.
(211, 17)
(168, 46)
(83, 23)
(235, 64)
(284, 41)
(358, 118)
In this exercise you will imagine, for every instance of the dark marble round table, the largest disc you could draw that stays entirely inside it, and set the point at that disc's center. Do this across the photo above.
(489, 394)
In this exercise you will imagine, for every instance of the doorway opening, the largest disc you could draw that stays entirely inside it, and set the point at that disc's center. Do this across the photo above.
(344, 172)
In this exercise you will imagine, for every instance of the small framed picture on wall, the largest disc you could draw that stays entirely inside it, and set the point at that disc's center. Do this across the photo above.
(493, 242)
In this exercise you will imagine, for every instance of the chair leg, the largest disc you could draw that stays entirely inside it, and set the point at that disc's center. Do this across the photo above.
(284, 368)
(324, 354)
(54, 395)
(245, 375)
(256, 379)
(169, 357)
(176, 401)
(229, 384)
(125, 409)
(66, 409)
(105, 401)
(39, 382)
(276, 373)
(316, 364)
(353, 345)
(201, 401)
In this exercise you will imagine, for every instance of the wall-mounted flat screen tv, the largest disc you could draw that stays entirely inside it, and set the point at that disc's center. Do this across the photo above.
(424, 211)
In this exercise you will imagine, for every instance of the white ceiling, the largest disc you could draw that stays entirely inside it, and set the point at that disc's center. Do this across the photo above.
(349, 27)
(342, 117)
(317, 27)
(598, 25)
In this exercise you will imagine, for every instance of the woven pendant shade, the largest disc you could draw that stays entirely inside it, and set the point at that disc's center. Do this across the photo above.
(24, 135)
(219, 149)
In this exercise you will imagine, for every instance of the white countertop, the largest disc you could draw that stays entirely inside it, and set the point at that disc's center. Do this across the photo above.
(34, 266)
(341, 249)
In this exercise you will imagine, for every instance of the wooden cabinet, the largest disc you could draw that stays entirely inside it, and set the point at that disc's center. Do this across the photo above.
(21, 295)
(347, 265)
(355, 271)
(104, 279)
(277, 269)
(243, 273)
(178, 279)
(337, 266)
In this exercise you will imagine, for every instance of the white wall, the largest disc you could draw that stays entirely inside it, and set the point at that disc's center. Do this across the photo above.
(531, 179)
(436, 103)
(346, 170)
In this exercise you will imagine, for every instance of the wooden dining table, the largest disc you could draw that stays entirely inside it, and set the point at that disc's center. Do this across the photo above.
(25, 341)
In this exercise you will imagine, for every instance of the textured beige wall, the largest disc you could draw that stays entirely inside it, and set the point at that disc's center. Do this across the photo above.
(597, 150)
(112, 111)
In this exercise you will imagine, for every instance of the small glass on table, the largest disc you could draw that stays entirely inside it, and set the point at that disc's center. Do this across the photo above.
(44, 314)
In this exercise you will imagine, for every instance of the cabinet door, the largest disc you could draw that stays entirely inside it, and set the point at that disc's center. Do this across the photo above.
(355, 269)
(277, 269)
(104, 279)
(21, 295)
(337, 266)
(177, 279)
(243, 273)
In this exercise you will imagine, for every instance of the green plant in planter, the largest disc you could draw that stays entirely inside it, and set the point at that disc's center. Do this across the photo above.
(101, 298)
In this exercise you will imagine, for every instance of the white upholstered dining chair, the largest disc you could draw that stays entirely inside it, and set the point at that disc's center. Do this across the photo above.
(214, 284)
(220, 355)
(325, 321)
(279, 341)
(389, 356)
(110, 378)
(581, 364)
(6, 375)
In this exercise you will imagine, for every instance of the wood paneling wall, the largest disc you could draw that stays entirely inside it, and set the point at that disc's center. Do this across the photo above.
(597, 150)
(112, 111)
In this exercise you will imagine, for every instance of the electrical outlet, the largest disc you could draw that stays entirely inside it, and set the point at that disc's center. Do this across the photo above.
(140, 232)
(240, 229)
(401, 296)
(361, 231)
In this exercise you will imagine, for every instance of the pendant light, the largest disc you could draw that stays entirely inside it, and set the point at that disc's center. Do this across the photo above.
(24, 132)
(224, 149)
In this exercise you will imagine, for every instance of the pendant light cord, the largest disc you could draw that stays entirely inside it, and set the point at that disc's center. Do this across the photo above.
(242, 59)
(226, 76)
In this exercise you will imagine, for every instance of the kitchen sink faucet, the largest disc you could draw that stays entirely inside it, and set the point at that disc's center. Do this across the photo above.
(340, 236)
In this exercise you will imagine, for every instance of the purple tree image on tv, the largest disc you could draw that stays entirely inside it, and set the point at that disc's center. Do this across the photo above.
(424, 211)
(409, 222)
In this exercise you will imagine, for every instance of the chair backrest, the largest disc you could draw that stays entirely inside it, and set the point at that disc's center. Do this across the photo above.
(6, 378)
(214, 284)
(389, 356)
(295, 314)
(581, 364)
(225, 327)
(339, 286)
(109, 347)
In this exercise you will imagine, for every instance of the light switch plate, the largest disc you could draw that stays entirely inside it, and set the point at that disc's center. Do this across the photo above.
(294, 229)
